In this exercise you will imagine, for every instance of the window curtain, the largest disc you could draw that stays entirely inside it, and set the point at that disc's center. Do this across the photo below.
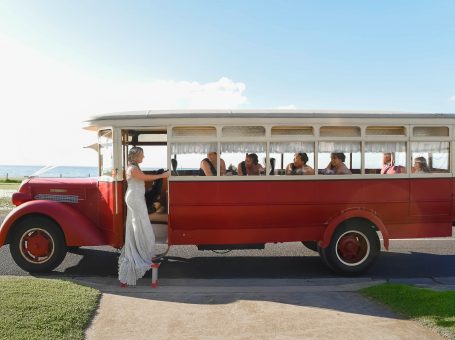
(339, 146)
(198, 148)
(243, 147)
(292, 147)
(440, 147)
(388, 147)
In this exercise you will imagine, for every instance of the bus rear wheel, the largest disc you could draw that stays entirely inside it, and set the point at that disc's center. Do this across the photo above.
(37, 244)
(352, 249)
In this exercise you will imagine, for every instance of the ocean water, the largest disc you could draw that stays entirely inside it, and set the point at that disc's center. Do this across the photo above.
(21, 171)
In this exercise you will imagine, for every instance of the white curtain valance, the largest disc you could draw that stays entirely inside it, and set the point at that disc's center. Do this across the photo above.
(388, 147)
(339, 146)
(243, 147)
(441, 147)
(292, 147)
(199, 148)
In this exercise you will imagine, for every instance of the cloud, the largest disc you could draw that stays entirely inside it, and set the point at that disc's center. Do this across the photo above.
(287, 107)
(31, 81)
(171, 94)
(221, 94)
(44, 102)
(452, 98)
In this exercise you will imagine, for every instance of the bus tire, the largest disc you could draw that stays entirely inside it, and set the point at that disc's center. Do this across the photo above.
(37, 244)
(312, 245)
(352, 249)
(323, 257)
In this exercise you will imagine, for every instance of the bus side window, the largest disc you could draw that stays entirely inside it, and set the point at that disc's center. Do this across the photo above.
(386, 158)
(187, 157)
(292, 158)
(430, 157)
(244, 158)
(339, 158)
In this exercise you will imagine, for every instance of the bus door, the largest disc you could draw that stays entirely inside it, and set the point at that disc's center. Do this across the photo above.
(154, 143)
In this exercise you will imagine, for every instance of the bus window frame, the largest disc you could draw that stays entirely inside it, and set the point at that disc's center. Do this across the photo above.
(449, 138)
(316, 139)
(101, 176)
(383, 139)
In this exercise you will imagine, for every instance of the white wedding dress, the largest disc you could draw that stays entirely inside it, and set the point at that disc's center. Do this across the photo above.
(139, 249)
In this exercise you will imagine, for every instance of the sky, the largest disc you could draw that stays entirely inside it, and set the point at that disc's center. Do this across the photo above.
(62, 61)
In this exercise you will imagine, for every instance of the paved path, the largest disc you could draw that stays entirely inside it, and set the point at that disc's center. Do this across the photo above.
(247, 309)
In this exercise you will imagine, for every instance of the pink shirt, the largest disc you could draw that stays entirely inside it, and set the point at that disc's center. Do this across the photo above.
(389, 169)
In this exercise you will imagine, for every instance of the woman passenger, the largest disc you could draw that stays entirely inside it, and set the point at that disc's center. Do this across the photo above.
(421, 166)
(388, 165)
(250, 166)
(299, 166)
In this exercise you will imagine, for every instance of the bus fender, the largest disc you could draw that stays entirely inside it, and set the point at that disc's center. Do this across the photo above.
(77, 228)
(354, 213)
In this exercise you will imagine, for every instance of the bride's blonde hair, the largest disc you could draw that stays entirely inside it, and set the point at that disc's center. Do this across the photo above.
(134, 152)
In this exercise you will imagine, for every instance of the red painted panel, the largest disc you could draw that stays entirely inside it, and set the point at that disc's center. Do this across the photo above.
(280, 192)
(88, 218)
(78, 230)
(246, 236)
(110, 219)
(431, 197)
(416, 230)
(242, 211)
(235, 212)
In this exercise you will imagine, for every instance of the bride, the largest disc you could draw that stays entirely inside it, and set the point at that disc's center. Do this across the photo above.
(139, 249)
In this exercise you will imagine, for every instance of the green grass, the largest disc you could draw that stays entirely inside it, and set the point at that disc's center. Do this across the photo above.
(9, 180)
(432, 308)
(45, 309)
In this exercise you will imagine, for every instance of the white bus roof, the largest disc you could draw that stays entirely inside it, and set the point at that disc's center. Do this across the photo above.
(101, 119)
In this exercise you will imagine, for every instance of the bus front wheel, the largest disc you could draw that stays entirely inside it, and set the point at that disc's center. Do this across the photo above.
(352, 249)
(37, 244)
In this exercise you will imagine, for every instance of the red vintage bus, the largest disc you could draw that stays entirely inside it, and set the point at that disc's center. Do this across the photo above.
(342, 215)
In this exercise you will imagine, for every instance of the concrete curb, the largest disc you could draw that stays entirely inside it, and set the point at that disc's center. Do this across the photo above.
(232, 286)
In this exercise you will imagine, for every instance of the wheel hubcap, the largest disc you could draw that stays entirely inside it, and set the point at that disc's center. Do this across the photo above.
(37, 245)
(353, 248)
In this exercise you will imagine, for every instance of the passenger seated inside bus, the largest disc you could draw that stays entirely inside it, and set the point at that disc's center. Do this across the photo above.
(272, 166)
(250, 166)
(174, 164)
(388, 165)
(208, 165)
(299, 166)
(336, 165)
(420, 166)
(153, 194)
(156, 198)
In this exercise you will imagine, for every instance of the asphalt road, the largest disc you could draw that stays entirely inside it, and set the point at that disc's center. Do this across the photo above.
(405, 259)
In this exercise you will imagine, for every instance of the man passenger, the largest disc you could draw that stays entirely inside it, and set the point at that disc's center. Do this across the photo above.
(208, 165)
(336, 165)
